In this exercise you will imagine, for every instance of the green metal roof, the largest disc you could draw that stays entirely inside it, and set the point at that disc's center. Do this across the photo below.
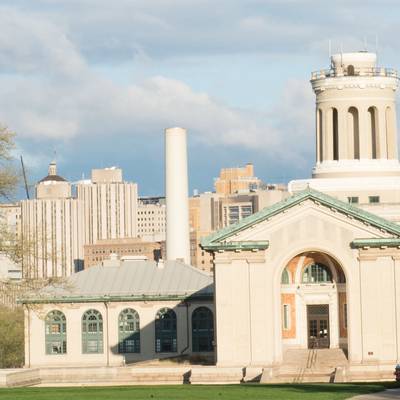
(248, 245)
(375, 242)
(217, 240)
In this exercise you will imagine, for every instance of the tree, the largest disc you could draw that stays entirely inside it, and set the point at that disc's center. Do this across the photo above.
(9, 178)
(11, 319)
(11, 337)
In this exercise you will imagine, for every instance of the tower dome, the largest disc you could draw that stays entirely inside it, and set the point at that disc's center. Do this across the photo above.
(53, 186)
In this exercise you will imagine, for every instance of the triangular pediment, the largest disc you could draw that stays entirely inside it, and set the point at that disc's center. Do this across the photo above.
(225, 238)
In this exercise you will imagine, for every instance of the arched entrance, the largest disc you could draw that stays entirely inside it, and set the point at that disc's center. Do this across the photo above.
(313, 302)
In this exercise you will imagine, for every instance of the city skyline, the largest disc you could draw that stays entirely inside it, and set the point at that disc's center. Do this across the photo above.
(100, 84)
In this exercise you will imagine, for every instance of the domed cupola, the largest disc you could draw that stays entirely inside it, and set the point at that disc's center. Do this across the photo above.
(53, 186)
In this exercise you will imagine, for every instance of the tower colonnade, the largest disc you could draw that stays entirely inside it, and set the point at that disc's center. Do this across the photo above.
(359, 132)
(355, 118)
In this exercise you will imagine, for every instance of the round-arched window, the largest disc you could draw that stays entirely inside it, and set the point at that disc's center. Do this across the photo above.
(285, 280)
(202, 329)
(92, 332)
(165, 324)
(317, 273)
(129, 331)
(56, 333)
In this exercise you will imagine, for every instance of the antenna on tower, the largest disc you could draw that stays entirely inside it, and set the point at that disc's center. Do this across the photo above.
(376, 48)
(330, 47)
(365, 44)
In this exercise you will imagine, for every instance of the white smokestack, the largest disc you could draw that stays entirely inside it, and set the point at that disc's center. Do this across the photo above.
(176, 192)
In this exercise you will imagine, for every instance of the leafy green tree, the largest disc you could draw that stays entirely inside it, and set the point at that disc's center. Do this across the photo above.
(11, 337)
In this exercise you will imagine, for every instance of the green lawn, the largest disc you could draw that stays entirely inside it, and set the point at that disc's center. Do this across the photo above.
(189, 392)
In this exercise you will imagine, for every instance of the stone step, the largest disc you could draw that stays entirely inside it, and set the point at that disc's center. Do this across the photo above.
(204, 375)
(307, 378)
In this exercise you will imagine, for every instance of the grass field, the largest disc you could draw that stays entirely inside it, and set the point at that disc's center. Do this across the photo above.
(189, 392)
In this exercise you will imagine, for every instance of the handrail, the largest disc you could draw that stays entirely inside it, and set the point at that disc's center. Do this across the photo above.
(339, 72)
(312, 354)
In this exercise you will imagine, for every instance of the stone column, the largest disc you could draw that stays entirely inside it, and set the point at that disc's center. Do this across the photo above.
(328, 135)
(382, 133)
(342, 130)
(365, 134)
(396, 267)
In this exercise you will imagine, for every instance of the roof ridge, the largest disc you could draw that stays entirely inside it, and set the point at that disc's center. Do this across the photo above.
(194, 269)
(293, 200)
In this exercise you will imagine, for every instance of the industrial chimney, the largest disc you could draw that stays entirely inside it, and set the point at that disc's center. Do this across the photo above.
(176, 191)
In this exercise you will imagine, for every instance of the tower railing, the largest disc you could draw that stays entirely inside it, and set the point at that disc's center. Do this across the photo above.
(357, 72)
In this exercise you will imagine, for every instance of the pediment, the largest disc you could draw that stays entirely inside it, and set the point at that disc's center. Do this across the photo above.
(250, 233)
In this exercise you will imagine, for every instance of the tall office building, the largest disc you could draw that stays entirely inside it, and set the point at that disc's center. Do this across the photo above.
(55, 225)
(109, 205)
(52, 230)
(151, 218)
(236, 180)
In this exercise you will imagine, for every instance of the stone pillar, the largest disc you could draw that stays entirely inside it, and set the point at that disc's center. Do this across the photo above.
(342, 129)
(328, 135)
(396, 273)
(318, 136)
(391, 133)
(365, 135)
(382, 133)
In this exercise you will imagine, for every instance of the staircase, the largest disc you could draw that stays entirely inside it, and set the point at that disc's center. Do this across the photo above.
(310, 365)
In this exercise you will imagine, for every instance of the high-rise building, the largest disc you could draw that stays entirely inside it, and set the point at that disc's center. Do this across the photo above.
(109, 205)
(56, 225)
(209, 212)
(151, 219)
(236, 180)
(52, 230)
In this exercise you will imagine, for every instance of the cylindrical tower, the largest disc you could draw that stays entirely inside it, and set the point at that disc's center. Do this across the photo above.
(176, 191)
(355, 118)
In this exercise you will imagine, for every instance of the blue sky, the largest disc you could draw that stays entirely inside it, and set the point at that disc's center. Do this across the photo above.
(98, 81)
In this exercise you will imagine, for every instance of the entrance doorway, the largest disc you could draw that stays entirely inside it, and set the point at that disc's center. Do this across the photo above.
(318, 326)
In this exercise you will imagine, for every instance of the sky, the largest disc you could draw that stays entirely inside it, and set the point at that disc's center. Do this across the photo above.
(94, 83)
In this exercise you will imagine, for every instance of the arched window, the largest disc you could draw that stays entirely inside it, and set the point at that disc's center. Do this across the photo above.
(317, 273)
(335, 128)
(128, 331)
(320, 138)
(350, 70)
(285, 279)
(92, 332)
(56, 333)
(166, 331)
(202, 329)
(354, 131)
(373, 123)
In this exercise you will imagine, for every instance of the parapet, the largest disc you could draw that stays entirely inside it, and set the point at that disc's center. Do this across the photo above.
(362, 64)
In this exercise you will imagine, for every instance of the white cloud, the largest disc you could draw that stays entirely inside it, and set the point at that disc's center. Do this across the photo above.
(63, 97)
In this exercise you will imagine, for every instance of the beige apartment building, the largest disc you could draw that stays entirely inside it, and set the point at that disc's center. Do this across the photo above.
(109, 205)
(52, 232)
(55, 225)
(151, 219)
